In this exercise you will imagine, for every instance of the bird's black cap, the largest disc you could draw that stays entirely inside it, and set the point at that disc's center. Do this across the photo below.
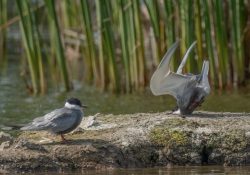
(75, 101)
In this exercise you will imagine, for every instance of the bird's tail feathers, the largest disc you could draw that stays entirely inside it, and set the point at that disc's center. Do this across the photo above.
(32, 128)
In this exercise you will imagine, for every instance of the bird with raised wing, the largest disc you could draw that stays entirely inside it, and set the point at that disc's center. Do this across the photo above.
(189, 90)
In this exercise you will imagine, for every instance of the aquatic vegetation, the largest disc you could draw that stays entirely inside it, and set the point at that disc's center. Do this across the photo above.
(55, 34)
(123, 40)
(90, 50)
(32, 46)
(3, 32)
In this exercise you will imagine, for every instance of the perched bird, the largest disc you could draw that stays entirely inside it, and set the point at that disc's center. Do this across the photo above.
(60, 121)
(189, 90)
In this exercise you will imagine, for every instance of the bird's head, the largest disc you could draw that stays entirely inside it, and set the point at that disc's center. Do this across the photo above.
(74, 103)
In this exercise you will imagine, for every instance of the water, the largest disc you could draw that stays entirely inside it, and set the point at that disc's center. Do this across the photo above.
(176, 170)
(17, 106)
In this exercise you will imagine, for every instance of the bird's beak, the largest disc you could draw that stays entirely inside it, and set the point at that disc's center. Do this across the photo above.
(84, 106)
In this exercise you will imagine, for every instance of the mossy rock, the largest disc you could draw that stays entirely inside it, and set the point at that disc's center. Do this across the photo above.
(180, 122)
(168, 137)
(172, 132)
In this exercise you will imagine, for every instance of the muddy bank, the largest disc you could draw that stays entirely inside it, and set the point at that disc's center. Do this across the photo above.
(133, 140)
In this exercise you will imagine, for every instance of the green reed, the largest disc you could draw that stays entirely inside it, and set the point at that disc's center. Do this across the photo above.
(3, 32)
(198, 30)
(237, 30)
(132, 44)
(58, 45)
(155, 17)
(209, 43)
(123, 19)
(125, 39)
(32, 46)
(67, 12)
(90, 50)
(106, 45)
(169, 15)
(139, 46)
(221, 42)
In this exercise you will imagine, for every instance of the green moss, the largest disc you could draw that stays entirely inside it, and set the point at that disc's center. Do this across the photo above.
(168, 137)
(174, 122)
(169, 133)
(180, 122)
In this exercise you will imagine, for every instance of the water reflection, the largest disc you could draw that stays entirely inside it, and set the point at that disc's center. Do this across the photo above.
(177, 170)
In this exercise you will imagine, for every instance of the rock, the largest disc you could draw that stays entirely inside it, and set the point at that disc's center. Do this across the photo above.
(89, 121)
(216, 157)
(25, 144)
(195, 158)
(247, 134)
(5, 137)
(86, 123)
(5, 145)
(135, 141)
(3, 171)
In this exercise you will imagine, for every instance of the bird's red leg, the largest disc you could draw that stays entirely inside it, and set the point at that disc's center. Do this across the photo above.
(62, 137)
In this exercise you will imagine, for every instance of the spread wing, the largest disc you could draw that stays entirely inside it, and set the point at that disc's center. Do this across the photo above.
(171, 83)
(164, 81)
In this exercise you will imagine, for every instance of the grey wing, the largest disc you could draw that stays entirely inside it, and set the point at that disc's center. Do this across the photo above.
(164, 64)
(164, 81)
(63, 121)
(171, 83)
(41, 123)
(158, 80)
(50, 120)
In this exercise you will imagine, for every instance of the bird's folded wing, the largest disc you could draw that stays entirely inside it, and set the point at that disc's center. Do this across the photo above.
(59, 119)
(40, 123)
(62, 122)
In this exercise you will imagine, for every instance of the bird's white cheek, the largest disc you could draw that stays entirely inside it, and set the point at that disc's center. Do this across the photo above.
(70, 106)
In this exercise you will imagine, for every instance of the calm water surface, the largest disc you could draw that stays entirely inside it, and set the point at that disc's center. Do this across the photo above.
(189, 170)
